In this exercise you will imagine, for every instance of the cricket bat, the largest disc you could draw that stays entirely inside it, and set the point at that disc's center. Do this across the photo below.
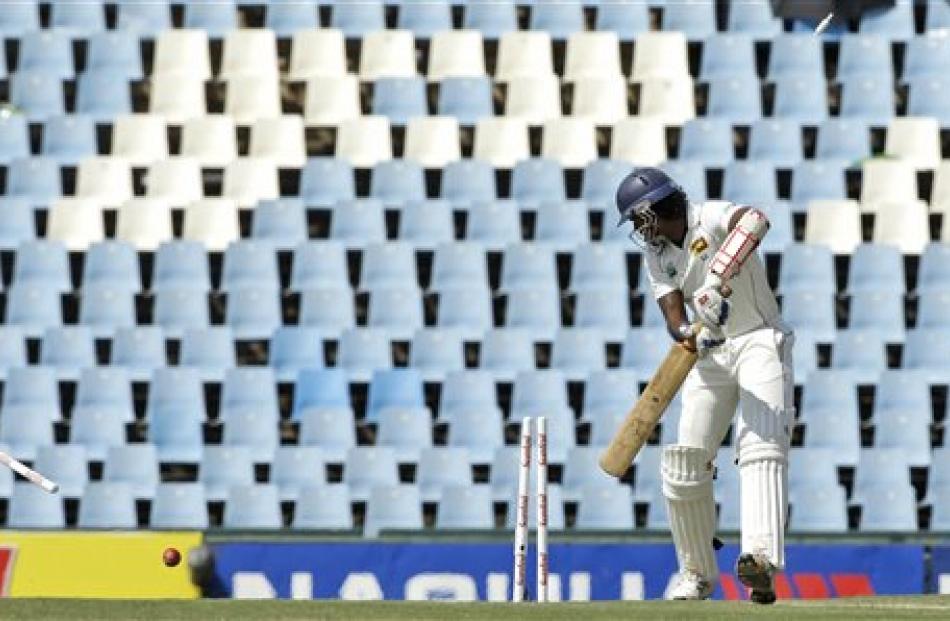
(637, 427)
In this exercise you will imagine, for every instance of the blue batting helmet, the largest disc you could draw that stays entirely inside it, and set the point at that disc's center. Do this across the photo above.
(643, 188)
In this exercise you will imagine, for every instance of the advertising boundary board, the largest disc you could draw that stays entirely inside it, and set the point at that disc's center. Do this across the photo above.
(105, 564)
(580, 571)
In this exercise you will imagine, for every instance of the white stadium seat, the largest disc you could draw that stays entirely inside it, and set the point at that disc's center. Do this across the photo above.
(252, 97)
(249, 180)
(660, 55)
(456, 54)
(915, 140)
(668, 99)
(176, 180)
(502, 142)
(317, 53)
(903, 224)
(886, 181)
(213, 222)
(387, 54)
(145, 223)
(249, 51)
(211, 140)
(524, 54)
(140, 138)
(639, 140)
(331, 100)
(364, 141)
(835, 224)
(177, 98)
(105, 180)
(592, 55)
(534, 99)
(571, 141)
(182, 52)
(600, 99)
(280, 138)
(433, 141)
(75, 222)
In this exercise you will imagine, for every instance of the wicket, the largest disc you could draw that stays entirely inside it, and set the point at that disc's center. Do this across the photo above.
(521, 524)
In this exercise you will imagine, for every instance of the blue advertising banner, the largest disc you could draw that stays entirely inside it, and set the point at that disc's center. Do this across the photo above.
(940, 574)
(579, 571)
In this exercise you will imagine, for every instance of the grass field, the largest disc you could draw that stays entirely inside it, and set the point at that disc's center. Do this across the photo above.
(921, 607)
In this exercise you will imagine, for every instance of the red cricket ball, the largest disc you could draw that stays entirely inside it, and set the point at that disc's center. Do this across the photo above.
(171, 557)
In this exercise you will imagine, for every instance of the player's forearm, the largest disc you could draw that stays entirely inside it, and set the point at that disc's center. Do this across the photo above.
(674, 311)
(747, 227)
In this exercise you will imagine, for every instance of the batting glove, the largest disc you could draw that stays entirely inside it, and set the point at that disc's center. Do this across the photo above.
(711, 305)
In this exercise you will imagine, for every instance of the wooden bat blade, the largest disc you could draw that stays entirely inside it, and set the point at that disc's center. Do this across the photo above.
(639, 423)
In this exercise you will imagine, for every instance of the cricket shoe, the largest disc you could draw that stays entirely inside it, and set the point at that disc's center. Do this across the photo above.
(691, 586)
(755, 571)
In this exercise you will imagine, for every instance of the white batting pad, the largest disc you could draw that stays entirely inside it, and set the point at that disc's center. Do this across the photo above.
(763, 473)
(687, 485)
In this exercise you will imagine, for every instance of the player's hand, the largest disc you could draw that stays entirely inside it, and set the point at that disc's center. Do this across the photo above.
(711, 304)
(704, 339)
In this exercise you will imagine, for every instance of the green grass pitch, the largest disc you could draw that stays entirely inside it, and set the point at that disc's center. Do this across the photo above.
(919, 607)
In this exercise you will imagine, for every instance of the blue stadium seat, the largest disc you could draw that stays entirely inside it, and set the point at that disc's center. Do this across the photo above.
(216, 18)
(178, 310)
(707, 140)
(895, 23)
(807, 268)
(811, 468)
(492, 18)
(725, 55)
(179, 506)
(538, 393)
(358, 19)
(643, 350)
(209, 350)
(107, 505)
(105, 309)
(79, 20)
(12, 349)
(881, 311)
(38, 93)
(406, 430)
(69, 139)
(33, 307)
(253, 506)
(427, 224)
(778, 142)
(829, 398)
(357, 223)
(31, 507)
(811, 311)
(926, 350)
(479, 431)
(926, 99)
(494, 224)
(329, 309)
(559, 19)
(598, 265)
(818, 509)
(253, 313)
(697, 20)
(176, 390)
(467, 390)
(802, 98)
(331, 429)
(940, 502)
(817, 180)
(361, 351)
(868, 98)
(139, 350)
(465, 507)
(102, 95)
(46, 52)
(754, 18)
(795, 54)
(181, 263)
(388, 264)
(425, 19)
(43, 262)
(609, 390)
(690, 175)
(528, 265)
(582, 470)
(399, 99)
(864, 55)
(467, 310)
(14, 138)
(224, 467)
(902, 415)
(861, 351)
(68, 350)
(894, 510)
(136, 465)
(467, 99)
(293, 349)
(253, 429)
(398, 310)
(20, 18)
(105, 386)
(250, 264)
(394, 388)
(26, 427)
(505, 352)
(282, 223)
(536, 309)
(393, 507)
(781, 230)
(577, 352)
(537, 181)
(934, 272)
(468, 181)
(250, 388)
(843, 139)
(605, 508)
(504, 473)
(561, 226)
(319, 264)
(145, 19)
(325, 181)
(321, 388)
(287, 18)
(927, 56)
(112, 263)
(879, 466)
(367, 467)
(97, 428)
(34, 179)
(396, 182)
(17, 225)
(627, 19)
(436, 352)
(599, 181)
(65, 464)
(750, 183)
(324, 507)
(296, 468)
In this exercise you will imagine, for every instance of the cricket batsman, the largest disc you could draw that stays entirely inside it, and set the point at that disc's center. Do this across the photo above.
(702, 256)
